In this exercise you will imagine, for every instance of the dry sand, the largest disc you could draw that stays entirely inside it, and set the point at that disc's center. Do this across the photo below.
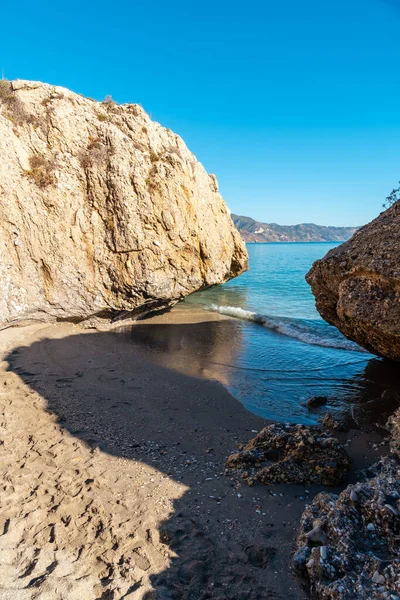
(111, 469)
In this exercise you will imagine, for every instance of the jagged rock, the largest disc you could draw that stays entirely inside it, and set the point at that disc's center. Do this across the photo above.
(341, 422)
(359, 554)
(357, 285)
(102, 211)
(291, 454)
(393, 426)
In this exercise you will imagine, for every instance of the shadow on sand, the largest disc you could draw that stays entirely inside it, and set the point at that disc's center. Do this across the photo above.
(107, 393)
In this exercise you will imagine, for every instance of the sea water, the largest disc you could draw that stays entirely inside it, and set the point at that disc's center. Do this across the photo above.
(281, 353)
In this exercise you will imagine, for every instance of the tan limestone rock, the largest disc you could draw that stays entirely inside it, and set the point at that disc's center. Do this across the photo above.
(103, 211)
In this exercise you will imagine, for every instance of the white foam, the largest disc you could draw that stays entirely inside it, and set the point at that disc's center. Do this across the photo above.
(290, 328)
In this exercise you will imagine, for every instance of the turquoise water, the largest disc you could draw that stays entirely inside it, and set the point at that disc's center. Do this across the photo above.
(281, 351)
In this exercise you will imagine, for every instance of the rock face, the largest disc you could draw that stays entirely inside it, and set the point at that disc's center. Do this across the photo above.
(103, 211)
(357, 285)
(291, 454)
(349, 545)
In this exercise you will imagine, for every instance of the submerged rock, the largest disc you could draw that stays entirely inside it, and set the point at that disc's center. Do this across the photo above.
(357, 285)
(316, 401)
(291, 454)
(358, 554)
(103, 211)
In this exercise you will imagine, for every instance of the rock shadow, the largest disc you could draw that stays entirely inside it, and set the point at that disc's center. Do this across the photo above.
(231, 542)
(104, 392)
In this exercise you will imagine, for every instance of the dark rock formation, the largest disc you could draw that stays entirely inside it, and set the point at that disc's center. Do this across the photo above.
(291, 454)
(357, 285)
(349, 545)
(316, 401)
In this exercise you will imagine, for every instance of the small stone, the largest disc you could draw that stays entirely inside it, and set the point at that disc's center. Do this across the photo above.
(323, 552)
(316, 536)
(371, 527)
(310, 563)
(392, 509)
(353, 496)
(300, 559)
(378, 578)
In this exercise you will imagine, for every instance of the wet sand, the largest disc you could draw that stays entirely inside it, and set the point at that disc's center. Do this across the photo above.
(112, 461)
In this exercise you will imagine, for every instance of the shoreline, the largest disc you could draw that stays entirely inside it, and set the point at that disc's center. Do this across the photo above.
(130, 453)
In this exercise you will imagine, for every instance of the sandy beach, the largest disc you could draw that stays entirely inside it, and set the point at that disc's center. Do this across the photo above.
(112, 459)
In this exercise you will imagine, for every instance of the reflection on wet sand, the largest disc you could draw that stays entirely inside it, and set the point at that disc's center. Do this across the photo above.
(190, 349)
(274, 385)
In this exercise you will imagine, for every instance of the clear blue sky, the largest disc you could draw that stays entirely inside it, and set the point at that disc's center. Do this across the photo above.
(294, 105)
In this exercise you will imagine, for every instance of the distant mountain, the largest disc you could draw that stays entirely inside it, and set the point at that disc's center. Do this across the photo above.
(254, 231)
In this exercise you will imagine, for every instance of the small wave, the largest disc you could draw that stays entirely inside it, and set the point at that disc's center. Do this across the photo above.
(294, 328)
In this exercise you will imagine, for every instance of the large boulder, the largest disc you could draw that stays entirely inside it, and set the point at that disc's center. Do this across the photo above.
(357, 285)
(103, 211)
